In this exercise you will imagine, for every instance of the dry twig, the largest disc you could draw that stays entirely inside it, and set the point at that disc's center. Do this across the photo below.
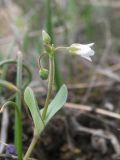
(4, 127)
(85, 108)
(99, 133)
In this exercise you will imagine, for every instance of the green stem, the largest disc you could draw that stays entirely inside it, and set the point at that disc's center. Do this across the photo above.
(31, 147)
(49, 27)
(11, 61)
(50, 85)
(49, 24)
(5, 68)
(18, 128)
(61, 48)
(49, 93)
(8, 85)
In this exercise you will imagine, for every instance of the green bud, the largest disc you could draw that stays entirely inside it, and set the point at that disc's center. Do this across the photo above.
(46, 37)
(43, 73)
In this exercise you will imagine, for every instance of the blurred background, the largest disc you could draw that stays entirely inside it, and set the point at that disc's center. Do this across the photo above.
(84, 133)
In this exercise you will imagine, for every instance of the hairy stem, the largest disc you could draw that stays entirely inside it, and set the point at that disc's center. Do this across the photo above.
(50, 85)
(49, 93)
(31, 147)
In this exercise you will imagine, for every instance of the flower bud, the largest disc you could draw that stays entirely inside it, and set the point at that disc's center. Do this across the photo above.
(46, 37)
(43, 73)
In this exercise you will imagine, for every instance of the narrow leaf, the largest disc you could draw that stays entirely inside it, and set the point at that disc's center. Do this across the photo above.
(30, 100)
(57, 103)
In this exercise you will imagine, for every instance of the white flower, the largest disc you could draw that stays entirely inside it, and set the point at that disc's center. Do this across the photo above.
(84, 50)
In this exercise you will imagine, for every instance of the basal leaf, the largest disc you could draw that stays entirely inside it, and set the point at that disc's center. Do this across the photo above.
(57, 103)
(30, 100)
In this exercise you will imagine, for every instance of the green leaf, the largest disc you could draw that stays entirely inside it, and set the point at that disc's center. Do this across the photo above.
(30, 100)
(57, 103)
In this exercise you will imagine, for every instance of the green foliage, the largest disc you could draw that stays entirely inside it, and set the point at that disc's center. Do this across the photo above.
(86, 13)
(50, 28)
(32, 104)
(9, 85)
(57, 103)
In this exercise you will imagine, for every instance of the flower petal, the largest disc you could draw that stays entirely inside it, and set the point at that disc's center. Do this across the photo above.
(88, 58)
(84, 50)
(90, 44)
(76, 45)
(91, 52)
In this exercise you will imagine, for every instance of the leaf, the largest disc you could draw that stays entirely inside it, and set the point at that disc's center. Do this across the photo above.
(30, 100)
(57, 103)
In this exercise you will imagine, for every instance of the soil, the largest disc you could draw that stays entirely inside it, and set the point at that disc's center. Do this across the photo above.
(72, 134)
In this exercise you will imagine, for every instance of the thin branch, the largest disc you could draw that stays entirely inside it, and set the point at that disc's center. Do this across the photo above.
(85, 108)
